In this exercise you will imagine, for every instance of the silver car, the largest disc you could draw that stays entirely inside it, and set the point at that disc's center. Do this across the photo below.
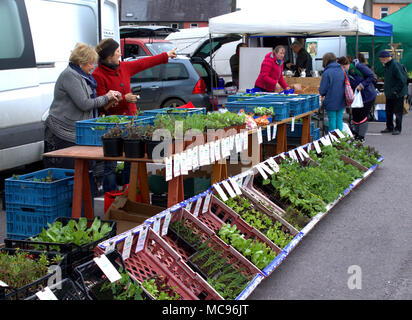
(172, 84)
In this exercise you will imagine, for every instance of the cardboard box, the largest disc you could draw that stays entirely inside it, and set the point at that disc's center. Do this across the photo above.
(380, 99)
(307, 81)
(130, 214)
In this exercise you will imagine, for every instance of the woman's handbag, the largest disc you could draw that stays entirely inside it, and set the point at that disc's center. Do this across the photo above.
(349, 96)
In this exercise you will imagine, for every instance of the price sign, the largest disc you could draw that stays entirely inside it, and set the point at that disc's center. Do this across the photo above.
(107, 267)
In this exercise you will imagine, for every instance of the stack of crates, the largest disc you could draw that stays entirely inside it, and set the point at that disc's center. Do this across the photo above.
(31, 203)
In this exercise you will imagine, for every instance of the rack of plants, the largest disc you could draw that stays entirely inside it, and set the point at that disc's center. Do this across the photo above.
(76, 254)
(31, 288)
(158, 258)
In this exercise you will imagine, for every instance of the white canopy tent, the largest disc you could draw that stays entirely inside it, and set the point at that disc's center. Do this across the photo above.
(314, 18)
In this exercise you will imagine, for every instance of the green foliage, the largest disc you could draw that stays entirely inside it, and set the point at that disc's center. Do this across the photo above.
(264, 111)
(157, 287)
(124, 288)
(184, 229)
(112, 119)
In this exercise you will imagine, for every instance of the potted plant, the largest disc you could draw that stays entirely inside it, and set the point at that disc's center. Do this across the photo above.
(112, 142)
(134, 145)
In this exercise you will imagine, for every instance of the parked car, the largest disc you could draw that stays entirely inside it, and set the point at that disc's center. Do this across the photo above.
(175, 83)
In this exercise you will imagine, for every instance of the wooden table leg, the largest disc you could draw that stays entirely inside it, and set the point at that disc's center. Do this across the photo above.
(81, 190)
(219, 172)
(175, 191)
(305, 130)
(133, 181)
(281, 142)
(144, 185)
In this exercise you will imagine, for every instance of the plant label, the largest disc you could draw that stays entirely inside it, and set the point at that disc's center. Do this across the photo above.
(189, 159)
(169, 170)
(268, 132)
(3, 285)
(107, 267)
(266, 168)
(207, 201)
(176, 165)
(339, 133)
(166, 223)
(292, 154)
(227, 147)
(156, 225)
(217, 150)
(212, 152)
(292, 125)
(206, 151)
(274, 130)
(46, 294)
(325, 141)
(273, 164)
(259, 135)
(247, 179)
(283, 155)
(317, 147)
(235, 186)
(303, 152)
(309, 147)
(333, 138)
(231, 143)
(127, 246)
(245, 140)
(220, 191)
(195, 157)
(189, 206)
(197, 207)
(229, 189)
(238, 143)
(141, 240)
(261, 171)
(110, 247)
(183, 164)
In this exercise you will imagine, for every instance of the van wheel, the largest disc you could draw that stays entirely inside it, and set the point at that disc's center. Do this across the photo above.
(173, 103)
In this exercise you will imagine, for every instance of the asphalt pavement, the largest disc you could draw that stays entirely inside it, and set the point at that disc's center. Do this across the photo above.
(367, 235)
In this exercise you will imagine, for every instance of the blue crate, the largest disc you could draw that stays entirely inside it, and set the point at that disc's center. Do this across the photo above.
(316, 134)
(296, 103)
(297, 133)
(27, 221)
(165, 111)
(23, 190)
(89, 132)
(381, 116)
(242, 96)
(281, 109)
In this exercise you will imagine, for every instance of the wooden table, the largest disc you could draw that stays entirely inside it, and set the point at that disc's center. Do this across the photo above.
(81, 189)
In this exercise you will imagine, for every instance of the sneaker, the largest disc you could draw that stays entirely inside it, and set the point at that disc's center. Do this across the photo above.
(361, 139)
(386, 130)
(396, 132)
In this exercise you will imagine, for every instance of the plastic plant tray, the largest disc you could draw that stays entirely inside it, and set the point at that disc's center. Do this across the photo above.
(65, 289)
(281, 108)
(184, 112)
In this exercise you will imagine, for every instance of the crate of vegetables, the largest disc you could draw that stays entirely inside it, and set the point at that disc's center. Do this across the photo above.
(76, 237)
(228, 271)
(281, 109)
(25, 272)
(160, 268)
(89, 132)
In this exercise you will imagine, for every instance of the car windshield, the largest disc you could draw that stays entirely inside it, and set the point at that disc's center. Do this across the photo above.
(159, 47)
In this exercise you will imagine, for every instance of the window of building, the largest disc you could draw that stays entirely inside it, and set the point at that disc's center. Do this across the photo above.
(174, 25)
(384, 12)
(193, 25)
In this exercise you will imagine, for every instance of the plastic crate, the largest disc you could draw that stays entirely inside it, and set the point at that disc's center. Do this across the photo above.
(158, 258)
(232, 256)
(296, 103)
(184, 112)
(26, 221)
(35, 286)
(297, 132)
(281, 109)
(89, 132)
(25, 191)
(381, 116)
(316, 134)
(76, 254)
(65, 290)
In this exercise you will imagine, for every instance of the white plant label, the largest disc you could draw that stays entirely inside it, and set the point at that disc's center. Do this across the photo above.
(197, 207)
(325, 140)
(46, 294)
(127, 246)
(283, 155)
(268, 132)
(317, 147)
(206, 204)
(273, 164)
(259, 135)
(235, 186)
(274, 130)
(189, 206)
(212, 152)
(142, 238)
(292, 154)
(229, 189)
(261, 171)
(165, 227)
(238, 143)
(4, 285)
(303, 152)
(217, 150)
(156, 225)
(195, 157)
(110, 247)
(247, 179)
(183, 164)
(339, 133)
(169, 168)
(231, 142)
(221, 192)
(176, 165)
(189, 159)
(333, 138)
(309, 147)
(293, 125)
(245, 140)
(207, 154)
(107, 267)
(266, 168)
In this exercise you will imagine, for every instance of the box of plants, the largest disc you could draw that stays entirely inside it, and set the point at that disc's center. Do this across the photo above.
(75, 237)
(159, 268)
(240, 224)
(202, 238)
(96, 285)
(25, 272)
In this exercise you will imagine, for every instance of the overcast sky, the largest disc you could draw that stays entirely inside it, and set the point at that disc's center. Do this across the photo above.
(243, 4)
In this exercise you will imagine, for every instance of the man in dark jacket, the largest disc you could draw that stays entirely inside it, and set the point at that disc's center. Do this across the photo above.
(303, 60)
(395, 89)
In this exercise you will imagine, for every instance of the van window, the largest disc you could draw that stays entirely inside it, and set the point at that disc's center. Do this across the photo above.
(133, 50)
(175, 71)
(16, 50)
(148, 75)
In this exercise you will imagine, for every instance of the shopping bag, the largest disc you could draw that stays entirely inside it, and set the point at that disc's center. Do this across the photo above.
(349, 96)
(357, 100)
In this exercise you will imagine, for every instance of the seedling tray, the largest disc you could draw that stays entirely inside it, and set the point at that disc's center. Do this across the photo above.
(31, 288)
(76, 254)
(65, 290)
(182, 112)
(281, 108)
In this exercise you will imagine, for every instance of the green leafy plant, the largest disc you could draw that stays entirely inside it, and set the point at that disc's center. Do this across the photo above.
(158, 288)
(185, 230)
(124, 288)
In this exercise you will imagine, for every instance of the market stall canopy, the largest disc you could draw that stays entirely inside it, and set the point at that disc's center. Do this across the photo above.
(315, 18)
(381, 28)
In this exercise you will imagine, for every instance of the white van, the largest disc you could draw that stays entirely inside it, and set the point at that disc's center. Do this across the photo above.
(37, 39)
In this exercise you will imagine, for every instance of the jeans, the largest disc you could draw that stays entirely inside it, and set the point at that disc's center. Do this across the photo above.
(335, 119)
(109, 178)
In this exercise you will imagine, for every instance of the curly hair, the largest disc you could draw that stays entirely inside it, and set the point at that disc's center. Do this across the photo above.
(82, 54)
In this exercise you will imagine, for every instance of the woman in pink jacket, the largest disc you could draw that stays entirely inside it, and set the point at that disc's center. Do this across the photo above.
(271, 71)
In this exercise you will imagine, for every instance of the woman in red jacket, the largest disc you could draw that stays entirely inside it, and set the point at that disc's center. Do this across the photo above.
(113, 73)
(271, 71)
